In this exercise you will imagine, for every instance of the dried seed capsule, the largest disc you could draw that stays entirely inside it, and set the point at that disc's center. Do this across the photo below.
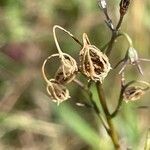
(124, 4)
(57, 91)
(133, 93)
(94, 64)
(67, 71)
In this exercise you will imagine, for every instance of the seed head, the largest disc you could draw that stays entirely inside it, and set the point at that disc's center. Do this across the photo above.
(133, 93)
(67, 71)
(57, 91)
(124, 4)
(94, 64)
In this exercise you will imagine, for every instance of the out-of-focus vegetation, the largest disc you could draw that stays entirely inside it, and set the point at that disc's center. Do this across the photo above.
(28, 119)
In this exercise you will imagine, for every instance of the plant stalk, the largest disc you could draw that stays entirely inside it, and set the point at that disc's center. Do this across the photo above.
(114, 36)
(94, 106)
(112, 132)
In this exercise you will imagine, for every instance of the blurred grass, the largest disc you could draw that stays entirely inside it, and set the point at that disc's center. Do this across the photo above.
(79, 126)
(26, 40)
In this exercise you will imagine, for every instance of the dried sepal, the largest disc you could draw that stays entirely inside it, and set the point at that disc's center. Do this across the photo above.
(67, 71)
(57, 91)
(133, 93)
(94, 64)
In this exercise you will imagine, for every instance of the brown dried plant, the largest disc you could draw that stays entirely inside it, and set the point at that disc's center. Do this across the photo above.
(95, 65)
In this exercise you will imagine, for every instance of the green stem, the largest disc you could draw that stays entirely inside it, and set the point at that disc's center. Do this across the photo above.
(119, 22)
(102, 98)
(94, 106)
(118, 106)
(128, 38)
(112, 132)
(147, 87)
(111, 43)
(147, 141)
(114, 36)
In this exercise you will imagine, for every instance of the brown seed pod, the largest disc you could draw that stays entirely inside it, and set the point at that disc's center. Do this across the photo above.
(67, 71)
(57, 91)
(94, 64)
(124, 4)
(133, 93)
(133, 90)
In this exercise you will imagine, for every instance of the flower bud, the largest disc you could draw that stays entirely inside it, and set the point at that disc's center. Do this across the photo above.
(57, 92)
(67, 71)
(94, 64)
(124, 4)
(133, 93)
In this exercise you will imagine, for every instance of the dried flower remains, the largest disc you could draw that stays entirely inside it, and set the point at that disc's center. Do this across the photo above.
(67, 71)
(64, 74)
(135, 92)
(57, 91)
(68, 68)
(94, 64)
(124, 4)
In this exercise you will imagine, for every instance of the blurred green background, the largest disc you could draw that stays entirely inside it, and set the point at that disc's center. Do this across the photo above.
(28, 118)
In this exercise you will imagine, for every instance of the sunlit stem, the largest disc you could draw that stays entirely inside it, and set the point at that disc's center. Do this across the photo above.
(127, 37)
